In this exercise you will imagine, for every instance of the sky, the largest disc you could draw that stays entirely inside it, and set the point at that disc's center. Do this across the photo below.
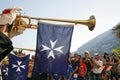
(106, 12)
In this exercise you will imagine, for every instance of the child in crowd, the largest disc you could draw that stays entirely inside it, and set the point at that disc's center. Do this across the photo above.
(82, 70)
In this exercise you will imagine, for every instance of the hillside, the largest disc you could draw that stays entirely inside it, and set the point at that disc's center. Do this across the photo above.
(105, 42)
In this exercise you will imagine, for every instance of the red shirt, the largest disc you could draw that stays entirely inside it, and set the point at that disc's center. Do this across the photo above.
(82, 70)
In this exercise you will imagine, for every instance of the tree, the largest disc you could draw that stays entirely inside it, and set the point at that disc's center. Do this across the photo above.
(116, 29)
(117, 51)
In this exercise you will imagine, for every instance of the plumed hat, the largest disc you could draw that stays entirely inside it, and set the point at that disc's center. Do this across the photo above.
(9, 15)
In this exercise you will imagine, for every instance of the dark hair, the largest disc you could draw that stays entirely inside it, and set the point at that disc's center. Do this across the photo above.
(80, 56)
(106, 54)
(76, 54)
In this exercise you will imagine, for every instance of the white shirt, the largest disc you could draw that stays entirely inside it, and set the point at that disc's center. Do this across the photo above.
(95, 68)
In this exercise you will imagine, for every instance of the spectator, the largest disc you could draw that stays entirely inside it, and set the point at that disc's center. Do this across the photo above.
(82, 70)
(30, 67)
(88, 61)
(75, 65)
(69, 74)
(97, 67)
(70, 56)
(115, 63)
(107, 62)
(118, 72)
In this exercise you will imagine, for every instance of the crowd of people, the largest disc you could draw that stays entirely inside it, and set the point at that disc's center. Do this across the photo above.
(91, 68)
(86, 67)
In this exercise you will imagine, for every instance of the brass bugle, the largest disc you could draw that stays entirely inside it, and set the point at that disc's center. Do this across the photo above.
(90, 22)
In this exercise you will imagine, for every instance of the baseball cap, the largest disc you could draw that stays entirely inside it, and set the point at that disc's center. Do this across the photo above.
(96, 54)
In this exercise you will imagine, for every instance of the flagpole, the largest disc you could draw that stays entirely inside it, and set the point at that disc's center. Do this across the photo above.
(31, 50)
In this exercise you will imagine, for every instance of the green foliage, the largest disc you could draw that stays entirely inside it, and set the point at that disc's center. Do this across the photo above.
(16, 52)
(117, 51)
(116, 29)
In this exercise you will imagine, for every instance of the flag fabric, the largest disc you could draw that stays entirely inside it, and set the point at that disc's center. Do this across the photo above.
(4, 71)
(18, 67)
(53, 46)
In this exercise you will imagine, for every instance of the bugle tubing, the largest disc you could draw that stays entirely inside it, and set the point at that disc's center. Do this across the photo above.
(31, 50)
(90, 22)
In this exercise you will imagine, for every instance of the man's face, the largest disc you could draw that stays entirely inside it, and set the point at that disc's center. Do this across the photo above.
(86, 55)
(96, 56)
(75, 57)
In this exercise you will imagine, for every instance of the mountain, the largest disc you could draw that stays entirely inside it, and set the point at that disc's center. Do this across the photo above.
(104, 42)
